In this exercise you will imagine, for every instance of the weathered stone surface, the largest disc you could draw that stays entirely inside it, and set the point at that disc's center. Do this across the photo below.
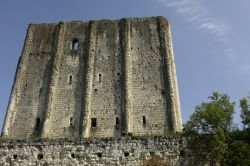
(95, 79)
(112, 152)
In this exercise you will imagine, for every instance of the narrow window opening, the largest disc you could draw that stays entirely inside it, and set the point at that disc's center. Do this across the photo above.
(71, 121)
(162, 92)
(93, 122)
(144, 120)
(74, 44)
(117, 122)
(40, 156)
(73, 155)
(126, 154)
(40, 92)
(182, 153)
(99, 155)
(152, 153)
(15, 156)
(70, 80)
(38, 122)
(100, 77)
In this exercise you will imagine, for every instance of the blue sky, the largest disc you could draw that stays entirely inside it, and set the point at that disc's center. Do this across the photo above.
(210, 39)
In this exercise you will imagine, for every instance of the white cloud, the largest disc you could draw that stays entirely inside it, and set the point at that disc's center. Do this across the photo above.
(195, 12)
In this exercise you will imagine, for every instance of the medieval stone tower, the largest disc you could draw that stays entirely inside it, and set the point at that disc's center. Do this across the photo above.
(95, 79)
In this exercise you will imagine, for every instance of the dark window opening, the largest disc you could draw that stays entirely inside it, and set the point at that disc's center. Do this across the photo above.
(74, 44)
(93, 122)
(71, 121)
(144, 120)
(73, 155)
(162, 92)
(15, 156)
(126, 154)
(40, 156)
(182, 153)
(152, 153)
(95, 90)
(70, 80)
(117, 122)
(38, 122)
(40, 92)
(99, 155)
(100, 77)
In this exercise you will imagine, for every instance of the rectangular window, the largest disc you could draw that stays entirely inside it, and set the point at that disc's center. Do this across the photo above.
(93, 122)
(74, 44)
(37, 122)
(100, 77)
(71, 121)
(117, 121)
(70, 80)
(144, 120)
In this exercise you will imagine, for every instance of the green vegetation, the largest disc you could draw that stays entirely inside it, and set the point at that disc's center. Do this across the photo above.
(245, 112)
(212, 135)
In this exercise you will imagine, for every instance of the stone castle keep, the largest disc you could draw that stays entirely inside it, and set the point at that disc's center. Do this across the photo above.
(95, 79)
(95, 93)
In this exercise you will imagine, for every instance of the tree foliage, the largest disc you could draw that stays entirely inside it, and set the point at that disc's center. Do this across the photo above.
(211, 135)
(213, 116)
(209, 128)
(245, 112)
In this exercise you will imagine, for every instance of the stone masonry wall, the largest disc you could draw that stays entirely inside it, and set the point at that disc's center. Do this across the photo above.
(95, 79)
(112, 152)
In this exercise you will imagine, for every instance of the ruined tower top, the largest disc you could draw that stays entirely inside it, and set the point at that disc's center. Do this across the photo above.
(95, 79)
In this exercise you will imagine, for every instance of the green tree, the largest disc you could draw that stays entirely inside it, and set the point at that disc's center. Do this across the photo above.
(209, 128)
(239, 154)
(213, 116)
(245, 112)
